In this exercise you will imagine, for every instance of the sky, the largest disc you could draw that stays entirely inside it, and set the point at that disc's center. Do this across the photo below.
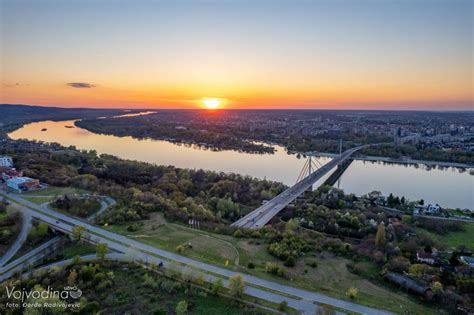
(368, 54)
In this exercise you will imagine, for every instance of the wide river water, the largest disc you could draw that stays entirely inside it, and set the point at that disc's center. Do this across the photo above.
(450, 187)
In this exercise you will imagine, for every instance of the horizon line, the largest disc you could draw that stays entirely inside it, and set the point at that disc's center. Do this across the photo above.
(238, 109)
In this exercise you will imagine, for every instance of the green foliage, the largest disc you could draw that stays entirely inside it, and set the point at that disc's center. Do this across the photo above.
(181, 308)
(80, 207)
(287, 245)
(236, 286)
(78, 232)
(180, 249)
(275, 269)
(352, 293)
(380, 237)
(437, 287)
(217, 286)
(101, 250)
(283, 306)
(237, 233)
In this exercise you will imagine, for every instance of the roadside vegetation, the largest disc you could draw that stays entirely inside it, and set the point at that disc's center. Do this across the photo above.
(76, 206)
(10, 225)
(122, 288)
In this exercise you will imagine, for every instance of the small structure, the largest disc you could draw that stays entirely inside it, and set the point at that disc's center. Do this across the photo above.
(432, 209)
(426, 258)
(7, 172)
(6, 161)
(467, 260)
(410, 285)
(21, 184)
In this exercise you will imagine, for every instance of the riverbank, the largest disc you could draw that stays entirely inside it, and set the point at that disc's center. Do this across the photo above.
(399, 161)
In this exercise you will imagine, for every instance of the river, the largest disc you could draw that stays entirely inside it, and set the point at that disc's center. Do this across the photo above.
(448, 186)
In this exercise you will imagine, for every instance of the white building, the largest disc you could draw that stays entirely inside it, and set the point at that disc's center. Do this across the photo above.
(6, 161)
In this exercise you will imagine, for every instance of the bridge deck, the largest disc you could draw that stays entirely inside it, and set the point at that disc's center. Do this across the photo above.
(263, 214)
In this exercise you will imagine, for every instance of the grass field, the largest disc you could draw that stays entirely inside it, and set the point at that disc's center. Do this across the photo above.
(330, 277)
(204, 246)
(52, 191)
(39, 200)
(454, 239)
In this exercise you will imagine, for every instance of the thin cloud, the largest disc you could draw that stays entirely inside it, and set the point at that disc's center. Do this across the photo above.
(80, 85)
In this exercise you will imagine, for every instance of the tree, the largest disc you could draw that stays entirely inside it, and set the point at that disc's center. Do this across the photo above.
(180, 249)
(437, 287)
(352, 293)
(181, 308)
(283, 306)
(236, 286)
(237, 233)
(78, 233)
(72, 278)
(42, 229)
(380, 236)
(217, 286)
(101, 250)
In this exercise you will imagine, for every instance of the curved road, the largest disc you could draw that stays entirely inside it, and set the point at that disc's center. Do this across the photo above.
(15, 247)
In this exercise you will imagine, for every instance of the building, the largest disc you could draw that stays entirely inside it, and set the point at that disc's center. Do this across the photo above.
(410, 285)
(7, 173)
(467, 260)
(432, 209)
(6, 161)
(21, 184)
(426, 258)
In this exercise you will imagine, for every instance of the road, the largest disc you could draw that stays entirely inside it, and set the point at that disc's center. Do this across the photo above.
(30, 258)
(263, 214)
(38, 253)
(146, 253)
(15, 247)
(432, 217)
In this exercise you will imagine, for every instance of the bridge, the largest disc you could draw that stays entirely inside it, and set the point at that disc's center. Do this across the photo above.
(262, 215)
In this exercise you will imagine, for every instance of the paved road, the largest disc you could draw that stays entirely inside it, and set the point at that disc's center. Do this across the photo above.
(263, 214)
(432, 217)
(15, 247)
(41, 251)
(29, 259)
(144, 252)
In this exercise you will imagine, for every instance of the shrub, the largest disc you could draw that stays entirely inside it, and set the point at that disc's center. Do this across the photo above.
(290, 261)
(283, 306)
(180, 249)
(313, 264)
(237, 233)
(274, 269)
(352, 293)
(182, 308)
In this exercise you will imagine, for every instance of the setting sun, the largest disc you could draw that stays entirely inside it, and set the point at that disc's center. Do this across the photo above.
(211, 103)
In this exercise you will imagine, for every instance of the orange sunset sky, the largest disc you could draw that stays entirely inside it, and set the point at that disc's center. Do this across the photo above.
(249, 54)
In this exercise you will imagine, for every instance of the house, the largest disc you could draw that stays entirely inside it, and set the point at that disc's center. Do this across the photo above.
(419, 209)
(432, 209)
(426, 258)
(6, 161)
(409, 285)
(7, 172)
(21, 184)
(467, 260)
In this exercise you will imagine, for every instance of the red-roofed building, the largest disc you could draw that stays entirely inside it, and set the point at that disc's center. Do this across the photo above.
(7, 173)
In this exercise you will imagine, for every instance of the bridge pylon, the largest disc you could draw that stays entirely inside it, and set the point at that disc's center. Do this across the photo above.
(310, 166)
